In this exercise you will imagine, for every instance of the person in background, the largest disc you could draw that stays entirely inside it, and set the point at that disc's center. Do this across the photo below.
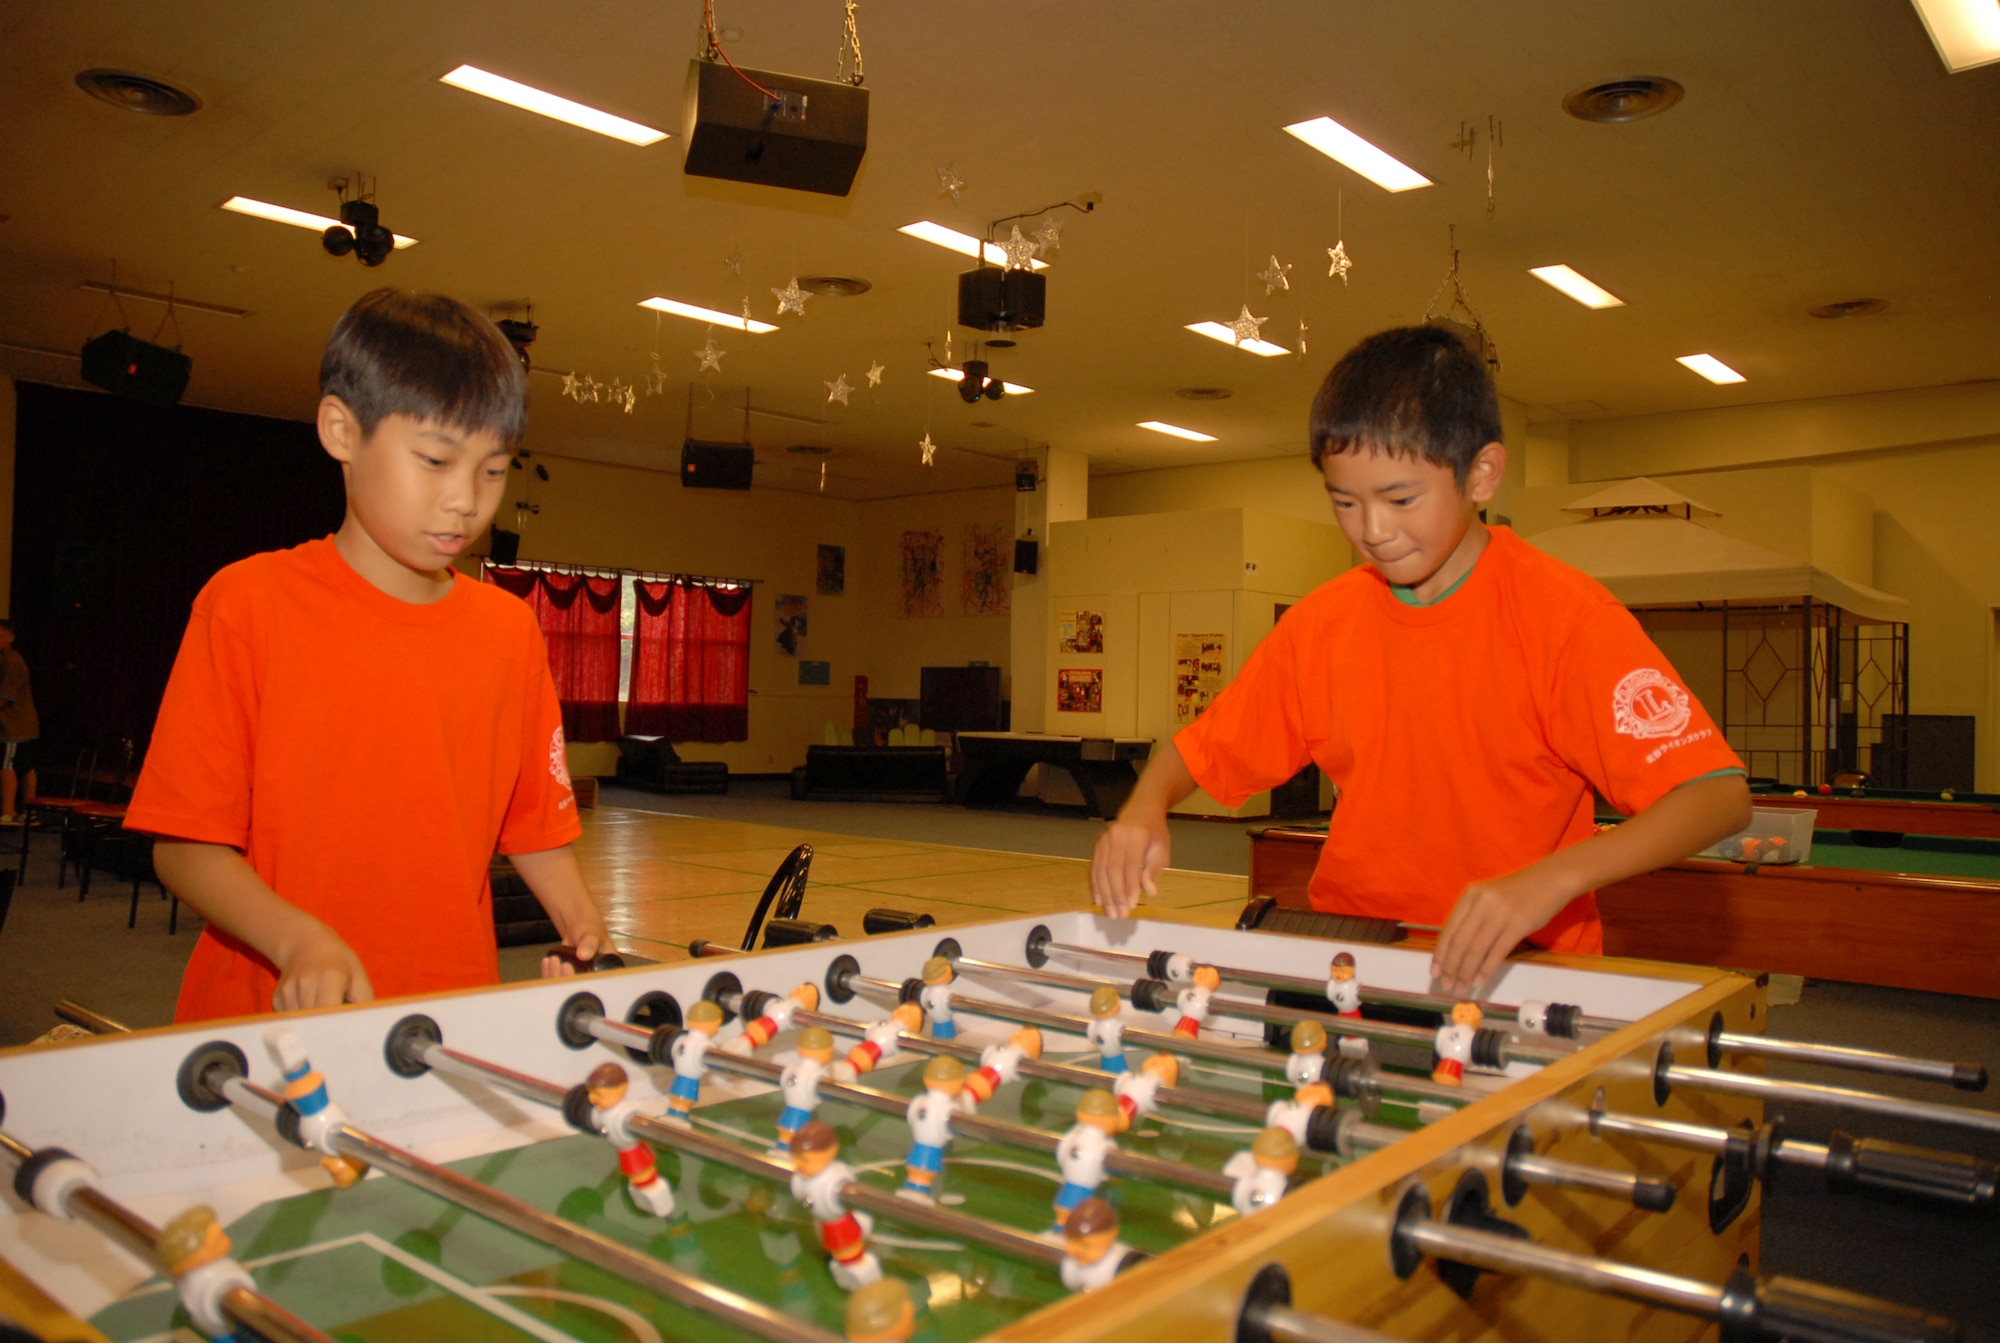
(20, 730)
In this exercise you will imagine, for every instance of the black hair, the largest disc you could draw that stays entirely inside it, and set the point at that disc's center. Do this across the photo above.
(426, 356)
(1414, 390)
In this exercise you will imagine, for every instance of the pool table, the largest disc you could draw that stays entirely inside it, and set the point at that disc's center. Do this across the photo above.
(1922, 914)
(1896, 810)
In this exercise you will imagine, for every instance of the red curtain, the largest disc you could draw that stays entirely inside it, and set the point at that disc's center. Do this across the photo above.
(690, 663)
(579, 620)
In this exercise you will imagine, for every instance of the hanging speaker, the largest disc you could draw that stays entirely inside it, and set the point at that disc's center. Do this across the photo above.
(716, 466)
(124, 365)
(506, 546)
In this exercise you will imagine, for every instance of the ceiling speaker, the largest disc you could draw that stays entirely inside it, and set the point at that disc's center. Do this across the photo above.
(124, 365)
(809, 137)
(716, 466)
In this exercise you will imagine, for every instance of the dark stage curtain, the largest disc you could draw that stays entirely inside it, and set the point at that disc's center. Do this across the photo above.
(122, 511)
(690, 663)
(579, 620)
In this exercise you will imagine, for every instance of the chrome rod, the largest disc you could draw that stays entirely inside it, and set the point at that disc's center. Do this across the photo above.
(1813, 1093)
(1697, 1137)
(1559, 1174)
(1964, 1076)
(1288, 1325)
(1504, 1254)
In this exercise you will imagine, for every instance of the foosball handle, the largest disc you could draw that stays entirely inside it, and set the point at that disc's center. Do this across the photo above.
(606, 960)
(1765, 1311)
(883, 920)
(1909, 1172)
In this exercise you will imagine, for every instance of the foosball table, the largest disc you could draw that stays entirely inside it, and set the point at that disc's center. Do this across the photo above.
(1051, 1129)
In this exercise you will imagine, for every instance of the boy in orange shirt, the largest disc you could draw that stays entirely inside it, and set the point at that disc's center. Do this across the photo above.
(351, 726)
(1463, 690)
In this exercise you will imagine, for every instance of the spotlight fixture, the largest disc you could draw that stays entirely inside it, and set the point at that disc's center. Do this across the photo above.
(976, 384)
(520, 334)
(360, 228)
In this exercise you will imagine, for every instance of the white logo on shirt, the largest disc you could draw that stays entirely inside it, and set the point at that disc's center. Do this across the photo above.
(1648, 704)
(558, 758)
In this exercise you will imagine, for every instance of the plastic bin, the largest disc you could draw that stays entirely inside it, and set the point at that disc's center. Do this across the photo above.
(1775, 835)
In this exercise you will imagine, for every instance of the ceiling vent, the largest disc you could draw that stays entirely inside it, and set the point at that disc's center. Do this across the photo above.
(1853, 307)
(138, 93)
(809, 449)
(834, 286)
(1204, 393)
(1621, 100)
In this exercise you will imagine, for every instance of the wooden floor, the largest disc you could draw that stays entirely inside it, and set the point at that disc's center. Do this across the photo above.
(664, 881)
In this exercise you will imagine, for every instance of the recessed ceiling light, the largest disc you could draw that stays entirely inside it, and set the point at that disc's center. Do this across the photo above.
(138, 93)
(1621, 100)
(1343, 146)
(958, 375)
(1220, 331)
(1174, 430)
(1710, 367)
(1852, 307)
(1586, 292)
(962, 243)
(284, 214)
(474, 80)
(709, 315)
(1966, 33)
(834, 286)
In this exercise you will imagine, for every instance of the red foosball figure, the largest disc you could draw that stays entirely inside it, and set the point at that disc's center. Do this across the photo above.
(606, 1086)
(818, 1176)
(1000, 1064)
(1193, 1001)
(1454, 1044)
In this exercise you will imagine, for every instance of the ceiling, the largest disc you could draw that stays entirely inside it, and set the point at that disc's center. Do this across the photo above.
(1821, 154)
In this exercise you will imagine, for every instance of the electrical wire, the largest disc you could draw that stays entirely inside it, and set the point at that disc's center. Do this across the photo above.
(715, 49)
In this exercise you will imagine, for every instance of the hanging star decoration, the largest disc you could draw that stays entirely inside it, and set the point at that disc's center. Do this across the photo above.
(1048, 238)
(732, 265)
(1275, 276)
(711, 358)
(1020, 251)
(791, 298)
(929, 448)
(1246, 327)
(875, 372)
(838, 389)
(625, 396)
(570, 382)
(1302, 337)
(822, 477)
(950, 184)
(656, 381)
(1339, 263)
(746, 312)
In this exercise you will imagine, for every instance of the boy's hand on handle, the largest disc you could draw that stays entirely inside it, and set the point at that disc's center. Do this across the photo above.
(317, 969)
(572, 960)
(1490, 920)
(1131, 853)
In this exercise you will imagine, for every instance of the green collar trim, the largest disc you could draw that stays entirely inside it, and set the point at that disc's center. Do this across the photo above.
(1408, 596)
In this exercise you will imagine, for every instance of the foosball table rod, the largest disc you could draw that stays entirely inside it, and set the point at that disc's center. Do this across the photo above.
(1667, 1075)
(1471, 1240)
(580, 1018)
(1963, 1076)
(215, 1077)
(414, 1042)
(1267, 1316)
(217, 1292)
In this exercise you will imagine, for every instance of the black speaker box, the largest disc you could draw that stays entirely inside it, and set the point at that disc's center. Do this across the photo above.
(991, 299)
(716, 466)
(120, 362)
(1024, 557)
(505, 547)
(811, 138)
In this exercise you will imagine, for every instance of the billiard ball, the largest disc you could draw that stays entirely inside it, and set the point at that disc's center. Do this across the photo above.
(1826, 790)
(1798, 792)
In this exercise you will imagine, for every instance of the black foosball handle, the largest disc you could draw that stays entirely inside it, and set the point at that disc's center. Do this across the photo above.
(605, 960)
(1265, 915)
(1909, 1172)
(1780, 1308)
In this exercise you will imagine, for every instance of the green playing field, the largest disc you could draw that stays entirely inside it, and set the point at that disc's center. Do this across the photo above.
(385, 1263)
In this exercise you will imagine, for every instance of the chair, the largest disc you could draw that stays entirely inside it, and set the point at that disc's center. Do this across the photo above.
(6, 896)
(53, 811)
(90, 818)
(138, 851)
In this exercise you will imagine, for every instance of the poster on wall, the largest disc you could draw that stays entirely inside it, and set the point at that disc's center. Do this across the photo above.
(920, 575)
(832, 570)
(791, 614)
(1080, 690)
(987, 558)
(1080, 631)
(1199, 662)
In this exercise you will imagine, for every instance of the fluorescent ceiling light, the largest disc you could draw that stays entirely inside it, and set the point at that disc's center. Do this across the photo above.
(1589, 294)
(709, 315)
(282, 214)
(1343, 146)
(1966, 33)
(474, 80)
(962, 243)
(1710, 367)
(958, 375)
(1221, 331)
(1162, 427)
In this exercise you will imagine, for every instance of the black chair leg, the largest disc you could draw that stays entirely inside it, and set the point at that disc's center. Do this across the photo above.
(173, 913)
(132, 919)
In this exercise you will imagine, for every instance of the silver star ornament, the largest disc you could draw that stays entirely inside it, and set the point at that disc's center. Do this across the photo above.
(838, 389)
(791, 298)
(1275, 276)
(875, 373)
(1048, 238)
(1340, 264)
(732, 265)
(1020, 251)
(711, 358)
(929, 448)
(1246, 327)
(950, 184)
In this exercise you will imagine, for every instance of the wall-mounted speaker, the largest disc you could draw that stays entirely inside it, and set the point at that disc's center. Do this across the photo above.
(1025, 557)
(506, 546)
(716, 466)
(121, 363)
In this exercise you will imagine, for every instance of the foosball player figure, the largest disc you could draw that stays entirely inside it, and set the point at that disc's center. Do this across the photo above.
(930, 1124)
(799, 1082)
(1091, 1252)
(1001, 1064)
(194, 1250)
(1138, 1092)
(1454, 1044)
(777, 1016)
(1107, 1028)
(936, 997)
(1294, 1115)
(305, 1089)
(689, 1052)
(1343, 990)
(1193, 1001)
(880, 1042)
(881, 1312)
(1262, 1172)
(612, 1112)
(818, 1176)
(1308, 1057)
(1081, 1153)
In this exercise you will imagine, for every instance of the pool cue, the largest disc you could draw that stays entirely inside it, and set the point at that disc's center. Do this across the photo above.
(1002, 1133)
(424, 1051)
(222, 1079)
(81, 1200)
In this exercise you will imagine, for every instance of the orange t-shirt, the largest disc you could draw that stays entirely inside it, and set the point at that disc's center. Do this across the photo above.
(365, 754)
(1465, 736)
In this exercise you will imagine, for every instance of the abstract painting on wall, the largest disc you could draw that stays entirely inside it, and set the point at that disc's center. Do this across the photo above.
(920, 575)
(832, 570)
(987, 558)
